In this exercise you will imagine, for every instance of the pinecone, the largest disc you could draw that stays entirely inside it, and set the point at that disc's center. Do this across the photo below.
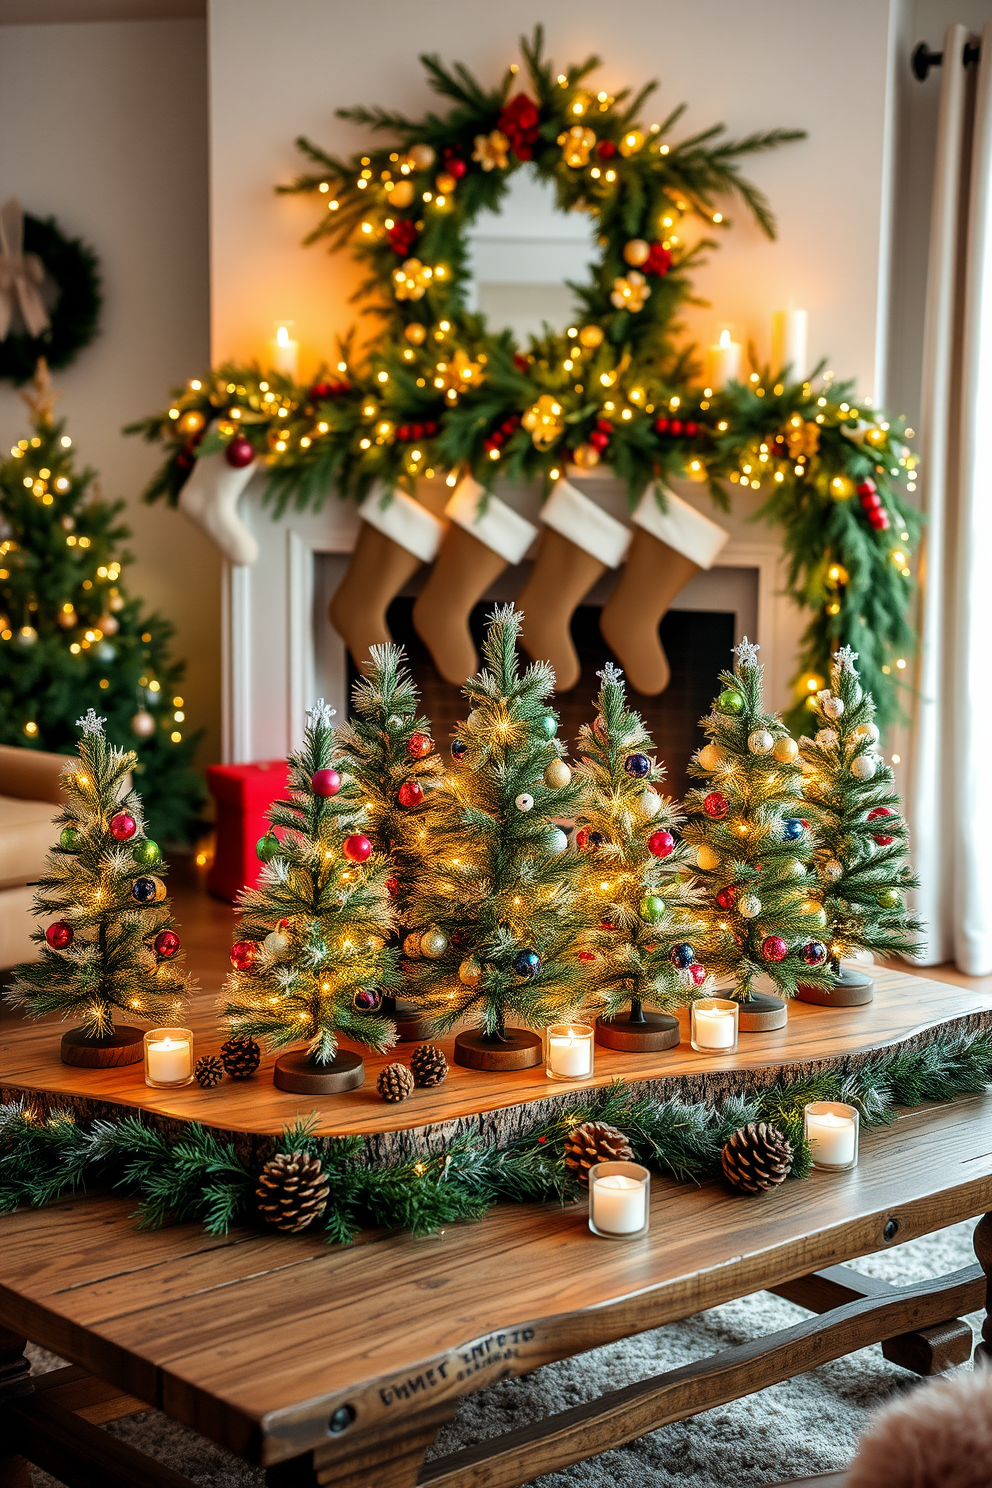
(757, 1157)
(395, 1082)
(292, 1191)
(428, 1066)
(595, 1142)
(209, 1071)
(240, 1057)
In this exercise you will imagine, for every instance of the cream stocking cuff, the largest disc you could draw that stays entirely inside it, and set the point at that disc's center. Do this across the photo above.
(410, 525)
(682, 527)
(490, 520)
(572, 514)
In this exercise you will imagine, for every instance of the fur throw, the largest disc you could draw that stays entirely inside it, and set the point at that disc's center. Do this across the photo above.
(937, 1436)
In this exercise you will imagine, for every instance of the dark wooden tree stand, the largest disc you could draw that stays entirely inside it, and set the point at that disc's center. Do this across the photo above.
(298, 1072)
(646, 1034)
(850, 989)
(123, 1046)
(518, 1049)
(762, 1012)
(411, 1025)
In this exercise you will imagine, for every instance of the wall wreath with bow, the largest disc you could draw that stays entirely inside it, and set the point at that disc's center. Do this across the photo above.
(49, 294)
(436, 396)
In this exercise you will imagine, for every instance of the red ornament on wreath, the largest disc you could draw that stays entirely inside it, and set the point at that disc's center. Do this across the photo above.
(239, 452)
(658, 261)
(661, 844)
(167, 943)
(59, 935)
(774, 948)
(325, 782)
(519, 121)
(882, 841)
(410, 793)
(244, 954)
(123, 826)
(419, 746)
(402, 236)
(716, 805)
(727, 897)
(357, 848)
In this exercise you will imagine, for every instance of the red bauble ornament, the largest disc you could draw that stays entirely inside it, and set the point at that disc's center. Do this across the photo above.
(727, 897)
(658, 261)
(392, 887)
(244, 954)
(239, 452)
(419, 746)
(402, 236)
(716, 805)
(325, 782)
(774, 948)
(357, 847)
(697, 974)
(410, 793)
(123, 826)
(59, 935)
(881, 811)
(167, 943)
(606, 149)
(661, 844)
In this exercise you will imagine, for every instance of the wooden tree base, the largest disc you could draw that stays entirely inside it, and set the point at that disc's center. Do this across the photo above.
(519, 1050)
(652, 1032)
(761, 1012)
(411, 1025)
(850, 989)
(123, 1046)
(297, 1072)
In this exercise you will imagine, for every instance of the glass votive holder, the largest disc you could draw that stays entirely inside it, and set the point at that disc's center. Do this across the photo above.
(168, 1057)
(569, 1051)
(714, 1025)
(619, 1194)
(832, 1133)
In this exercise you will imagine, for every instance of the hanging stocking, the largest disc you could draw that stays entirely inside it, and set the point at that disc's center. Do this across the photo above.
(667, 548)
(485, 537)
(395, 537)
(579, 542)
(210, 499)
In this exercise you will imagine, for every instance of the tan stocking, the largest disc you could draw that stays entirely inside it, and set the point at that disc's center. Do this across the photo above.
(561, 577)
(653, 575)
(378, 570)
(463, 570)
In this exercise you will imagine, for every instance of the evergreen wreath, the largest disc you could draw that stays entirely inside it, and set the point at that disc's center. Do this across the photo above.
(72, 265)
(437, 391)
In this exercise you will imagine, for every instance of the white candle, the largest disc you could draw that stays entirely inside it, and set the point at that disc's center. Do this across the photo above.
(169, 1061)
(618, 1204)
(285, 351)
(789, 342)
(832, 1133)
(723, 362)
(570, 1051)
(714, 1024)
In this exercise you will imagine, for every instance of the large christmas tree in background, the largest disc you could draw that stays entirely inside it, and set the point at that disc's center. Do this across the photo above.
(496, 903)
(110, 949)
(71, 637)
(312, 960)
(752, 849)
(862, 838)
(646, 941)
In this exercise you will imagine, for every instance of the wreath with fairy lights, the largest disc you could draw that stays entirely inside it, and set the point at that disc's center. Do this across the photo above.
(436, 391)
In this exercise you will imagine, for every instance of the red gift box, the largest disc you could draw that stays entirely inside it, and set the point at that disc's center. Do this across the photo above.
(243, 794)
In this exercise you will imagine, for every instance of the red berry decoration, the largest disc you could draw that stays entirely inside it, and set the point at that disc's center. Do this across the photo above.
(392, 887)
(419, 746)
(727, 897)
(587, 956)
(325, 782)
(123, 826)
(410, 793)
(167, 943)
(244, 954)
(661, 844)
(239, 452)
(59, 936)
(872, 815)
(697, 974)
(357, 847)
(774, 948)
(716, 805)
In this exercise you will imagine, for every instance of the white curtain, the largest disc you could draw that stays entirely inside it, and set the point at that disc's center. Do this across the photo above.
(950, 790)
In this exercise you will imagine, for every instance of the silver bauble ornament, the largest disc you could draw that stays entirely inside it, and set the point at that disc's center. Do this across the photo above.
(649, 804)
(749, 906)
(433, 944)
(867, 731)
(524, 802)
(832, 707)
(863, 766)
(760, 742)
(826, 738)
(557, 842)
(277, 943)
(143, 724)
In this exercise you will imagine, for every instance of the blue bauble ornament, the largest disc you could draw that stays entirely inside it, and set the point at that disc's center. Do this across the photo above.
(637, 765)
(814, 953)
(144, 890)
(557, 842)
(459, 749)
(682, 955)
(792, 829)
(526, 963)
(549, 725)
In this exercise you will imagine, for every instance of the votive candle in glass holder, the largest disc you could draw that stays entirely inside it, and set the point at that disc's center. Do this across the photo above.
(168, 1057)
(619, 1194)
(569, 1051)
(714, 1025)
(832, 1133)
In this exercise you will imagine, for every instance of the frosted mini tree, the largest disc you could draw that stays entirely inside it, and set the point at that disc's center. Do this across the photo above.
(646, 939)
(110, 950)
(753, 848)
(311, 962)
(862, 838)
(495, 908)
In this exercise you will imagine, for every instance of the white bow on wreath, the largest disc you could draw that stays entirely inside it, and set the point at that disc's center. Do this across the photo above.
(21, 275)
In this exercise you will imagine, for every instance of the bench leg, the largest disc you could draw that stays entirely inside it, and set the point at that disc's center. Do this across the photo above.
(391, 1457)
(983, 1250)
(15, 1370)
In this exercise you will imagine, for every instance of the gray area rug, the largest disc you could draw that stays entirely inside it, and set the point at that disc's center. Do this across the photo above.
(806, 1425)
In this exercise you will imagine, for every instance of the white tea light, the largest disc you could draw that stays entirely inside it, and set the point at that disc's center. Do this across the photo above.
(714, 1025)
(168, 1057)
(569, 1051)
(618, 1200)
(832, 1133)
(285, 351)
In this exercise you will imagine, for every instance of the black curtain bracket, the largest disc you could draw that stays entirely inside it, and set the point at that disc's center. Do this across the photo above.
(923, 58)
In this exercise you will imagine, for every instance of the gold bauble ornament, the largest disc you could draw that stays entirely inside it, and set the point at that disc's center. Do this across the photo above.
(636, 252)
(706, 858)
(415, 333)
(576, 144)
(401, 194)
(445, 183)
(433, 944)
(785, 750)
(421, 157)
(586, 457)
(411, 946)
(591, 336)
(632, 141)
(875, 436)
(710, 756)
(470, 972)
(841, 489)
(557, 774)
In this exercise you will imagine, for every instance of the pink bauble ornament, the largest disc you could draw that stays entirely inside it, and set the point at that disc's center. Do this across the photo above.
(239, 452)
(325, 782)
(123, 826)
(661, 844)
(357, 848)
(774, 948)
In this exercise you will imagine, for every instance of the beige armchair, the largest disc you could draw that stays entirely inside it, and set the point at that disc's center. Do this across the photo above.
(30, 798)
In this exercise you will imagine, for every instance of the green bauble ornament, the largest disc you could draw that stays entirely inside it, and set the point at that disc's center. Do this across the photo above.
(267, 847)
(890, 899)
(146, 852)
(69, 839)
(730, 702)
(549, 725)
(652, 908)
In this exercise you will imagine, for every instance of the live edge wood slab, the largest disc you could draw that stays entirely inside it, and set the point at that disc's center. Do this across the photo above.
(906, 1010)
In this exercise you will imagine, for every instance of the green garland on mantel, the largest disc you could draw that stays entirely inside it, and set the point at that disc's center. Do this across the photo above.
(199, 1177)
(436, 393)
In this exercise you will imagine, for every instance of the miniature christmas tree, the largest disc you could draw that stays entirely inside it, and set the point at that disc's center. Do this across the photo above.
(388, 751)
(112, 948)
(495, 906)
(311, 961)
(752, 849)
(70, 634)
(645, 943)
(862, 839)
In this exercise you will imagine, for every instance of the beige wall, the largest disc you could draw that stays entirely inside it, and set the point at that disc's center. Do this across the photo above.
(104, 126)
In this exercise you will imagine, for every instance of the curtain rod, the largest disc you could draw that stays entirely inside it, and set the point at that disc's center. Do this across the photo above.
(923, 58)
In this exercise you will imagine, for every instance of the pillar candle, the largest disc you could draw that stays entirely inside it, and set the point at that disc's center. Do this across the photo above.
(832, 1133)
(618, 1199)
(285, 351)
(168, 1056)
(789, 342)
(723, 362)
(714, 1025)
(570, 1051)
